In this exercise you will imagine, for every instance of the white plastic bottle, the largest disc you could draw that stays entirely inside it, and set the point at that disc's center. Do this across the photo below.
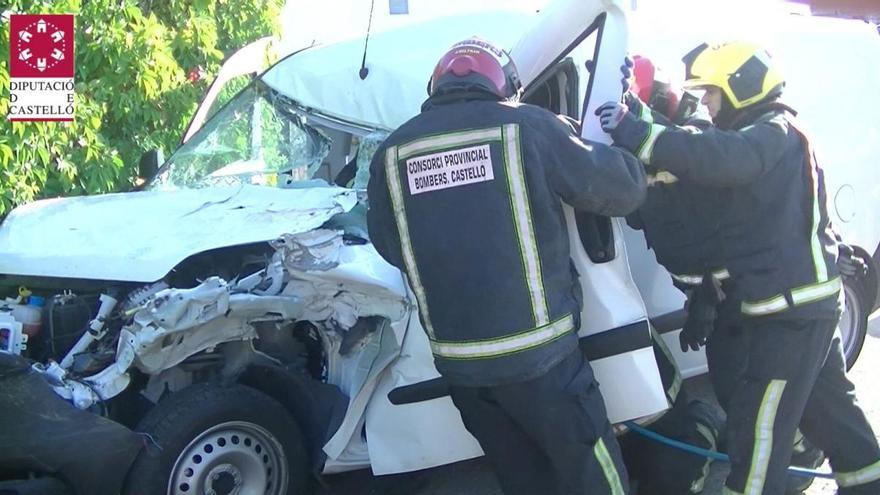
(30, 316)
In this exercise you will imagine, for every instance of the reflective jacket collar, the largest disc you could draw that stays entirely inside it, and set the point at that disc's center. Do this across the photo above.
(750, 114)
(457, 97)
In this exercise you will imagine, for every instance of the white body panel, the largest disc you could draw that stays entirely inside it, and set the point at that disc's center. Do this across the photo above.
(349, 17)
(630, 384)
(414, 436)
(661, 298)
(400, 62)
(612, 300)
(399, 438)
(140, 237)
(611, 297)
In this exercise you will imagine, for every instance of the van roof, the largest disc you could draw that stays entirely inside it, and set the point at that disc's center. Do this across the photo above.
(400, 61)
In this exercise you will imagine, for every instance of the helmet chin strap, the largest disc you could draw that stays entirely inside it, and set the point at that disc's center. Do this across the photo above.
(463, 92)
(726, 114)
(457, 94)
(471, 83)
(745, 115)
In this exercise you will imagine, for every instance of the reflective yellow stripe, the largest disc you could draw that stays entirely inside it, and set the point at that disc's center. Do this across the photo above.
(647, 147)
(449, 140)
(688, 279)
(799, 446)
(768, 306)
(675, 386)
(661, 177)
(522, 217)
(721, 274)
(863, 476)
(815, 292)
(698, 484)
(645, 114)
(608, 467)
(504, 345)
(392, 178)
(708, 434)
(800, 296)
(763, 446)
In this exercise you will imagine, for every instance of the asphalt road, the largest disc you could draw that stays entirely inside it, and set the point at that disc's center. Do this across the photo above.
(474, 477)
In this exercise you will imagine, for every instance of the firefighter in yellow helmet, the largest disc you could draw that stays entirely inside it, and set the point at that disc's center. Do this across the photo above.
(780, 249)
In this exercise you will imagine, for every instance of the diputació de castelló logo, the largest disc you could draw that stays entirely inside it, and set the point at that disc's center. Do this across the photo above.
(41, 67)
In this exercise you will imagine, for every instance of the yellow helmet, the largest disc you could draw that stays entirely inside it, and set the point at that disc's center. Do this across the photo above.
(743, 71)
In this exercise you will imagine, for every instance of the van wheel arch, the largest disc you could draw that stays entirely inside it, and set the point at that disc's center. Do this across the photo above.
(317, 407)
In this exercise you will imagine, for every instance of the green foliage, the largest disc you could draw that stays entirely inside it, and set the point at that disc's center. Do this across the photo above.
(133, 89)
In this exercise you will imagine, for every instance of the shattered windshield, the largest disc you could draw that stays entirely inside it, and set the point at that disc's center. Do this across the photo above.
(259, 138)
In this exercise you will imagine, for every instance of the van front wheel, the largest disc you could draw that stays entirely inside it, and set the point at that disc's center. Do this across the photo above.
(219, 439)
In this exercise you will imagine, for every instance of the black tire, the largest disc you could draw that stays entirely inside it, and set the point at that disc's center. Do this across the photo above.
(853, 321)
(217, 435)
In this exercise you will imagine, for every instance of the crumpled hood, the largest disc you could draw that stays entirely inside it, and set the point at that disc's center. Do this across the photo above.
(141, 236)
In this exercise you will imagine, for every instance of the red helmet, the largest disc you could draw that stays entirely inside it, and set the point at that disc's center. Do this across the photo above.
(475, 64)
(654, 88)
(643, 77)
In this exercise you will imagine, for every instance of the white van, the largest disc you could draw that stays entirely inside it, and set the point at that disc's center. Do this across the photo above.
(235, 311)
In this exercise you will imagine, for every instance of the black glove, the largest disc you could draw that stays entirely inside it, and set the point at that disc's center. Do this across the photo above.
(636, 106)
(699, 323)
(848, 264)
(627, 70)
(701, 313)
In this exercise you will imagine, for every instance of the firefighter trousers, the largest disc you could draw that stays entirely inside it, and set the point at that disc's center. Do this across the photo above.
(795, 375)
(549, 435)
(725, 353)
(725, 367)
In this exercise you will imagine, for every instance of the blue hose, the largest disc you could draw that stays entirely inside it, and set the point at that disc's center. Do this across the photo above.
(718, 456)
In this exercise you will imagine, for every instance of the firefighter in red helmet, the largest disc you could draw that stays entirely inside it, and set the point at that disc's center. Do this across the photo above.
(466, 198)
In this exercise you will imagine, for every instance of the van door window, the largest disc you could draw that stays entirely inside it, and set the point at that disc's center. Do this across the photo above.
(561, 90)
(557, 90)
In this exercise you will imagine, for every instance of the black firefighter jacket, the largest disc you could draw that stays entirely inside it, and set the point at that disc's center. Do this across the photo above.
(466, 198)
(680, 218)
(777, 238)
